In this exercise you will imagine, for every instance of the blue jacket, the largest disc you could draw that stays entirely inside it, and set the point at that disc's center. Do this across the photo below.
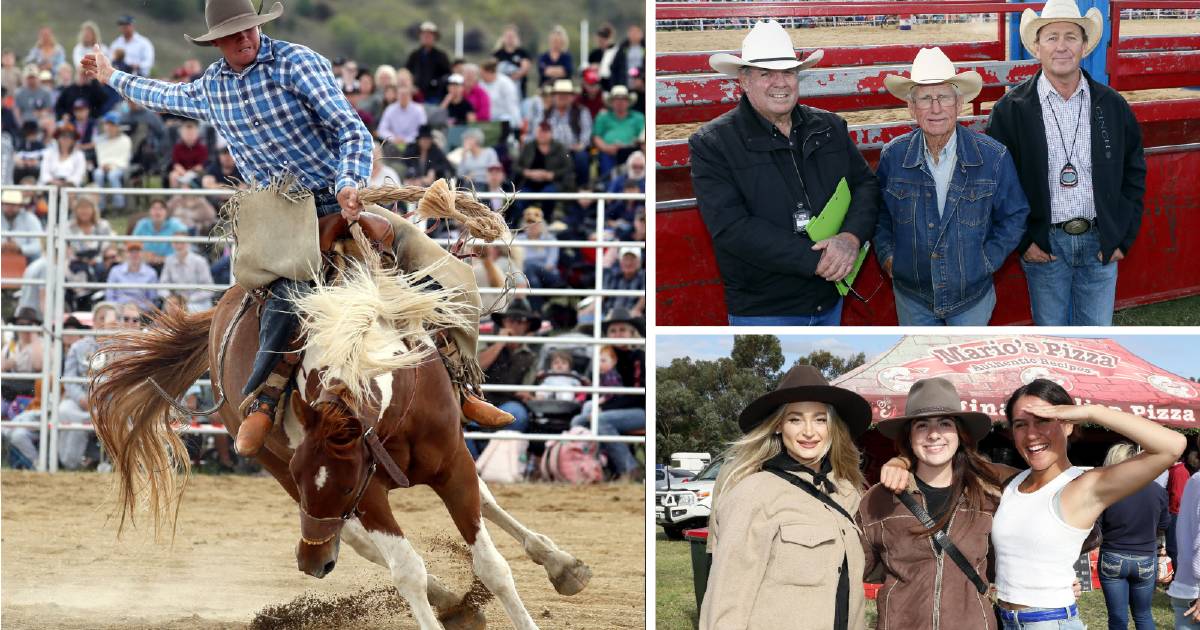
(948, 261)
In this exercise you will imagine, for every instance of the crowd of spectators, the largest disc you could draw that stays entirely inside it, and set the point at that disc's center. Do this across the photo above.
(515, 120)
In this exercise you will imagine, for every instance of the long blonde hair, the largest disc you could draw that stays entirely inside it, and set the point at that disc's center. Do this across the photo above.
(95, 31)
(745, 456)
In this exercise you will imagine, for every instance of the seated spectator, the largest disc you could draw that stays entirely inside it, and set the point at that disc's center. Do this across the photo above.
(544, 165)
(196, 213)
(81, 89)
(621, 414)
(222, 173)
(18, 218)
(541, 263)
(459, 110)
(619, 213)
(10, 74)
(28, 150)
(381, 173)
(47, 53)
(556, 63)
(635, 170)
(593, 94)
(572, 127)
(114, 150)
(475, 93)
(403, 119)
(187, 267)
(85, 125)
(32, 97)
(533, 110)
(509, 364)
(385, 77)
(133, 271)
(561, 374)
(22, 354)
(188, 157)
(220, 267)
(158, 224)
(86, 221)
(503, 96)
(131, 316)
(151, 139)
(75, 406)
(496, 182)
(369, 98)
(475, 158)
(618, 130)
(347, 77)
(629, 276)
(424, 160)
(600, 58)
(63, 163)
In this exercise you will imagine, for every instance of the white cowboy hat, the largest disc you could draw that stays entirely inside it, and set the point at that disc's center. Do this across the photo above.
(766, 46)
(620, 91)
(932, 67)
(563, 86)
(1062, 11)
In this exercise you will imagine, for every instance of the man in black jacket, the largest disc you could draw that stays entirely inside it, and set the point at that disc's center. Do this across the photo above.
(761, 172)
(429, 65)
(1078, 151)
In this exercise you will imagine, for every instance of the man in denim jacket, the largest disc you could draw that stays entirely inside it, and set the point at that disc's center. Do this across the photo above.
(953, 208)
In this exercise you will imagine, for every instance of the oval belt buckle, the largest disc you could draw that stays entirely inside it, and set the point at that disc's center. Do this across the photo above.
(1077, 226)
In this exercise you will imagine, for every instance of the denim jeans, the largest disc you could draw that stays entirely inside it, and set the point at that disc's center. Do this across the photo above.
(115, 178)
(913, 312)
(1183, 622)
(1076, 289)
(614, 422)
(1128, 583)
(520, 423)
(1074, 623)
(831, 317)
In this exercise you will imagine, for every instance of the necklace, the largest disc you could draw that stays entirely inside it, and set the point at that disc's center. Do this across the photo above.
(1068, 177)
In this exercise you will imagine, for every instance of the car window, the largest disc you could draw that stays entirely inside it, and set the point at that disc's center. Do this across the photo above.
(710, 472)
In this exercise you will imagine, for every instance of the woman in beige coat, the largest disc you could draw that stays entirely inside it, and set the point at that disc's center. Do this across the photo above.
(786, 551)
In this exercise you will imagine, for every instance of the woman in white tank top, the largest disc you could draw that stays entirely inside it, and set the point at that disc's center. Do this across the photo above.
(1046, 512)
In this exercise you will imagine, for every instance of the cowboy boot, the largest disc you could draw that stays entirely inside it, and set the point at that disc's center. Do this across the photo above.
(484, 413)
(474, 407)
(275, 362)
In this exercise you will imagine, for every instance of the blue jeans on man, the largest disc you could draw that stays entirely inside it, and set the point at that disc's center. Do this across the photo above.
(614, 422)
(1075, 289)
(911, 311)
(1128, 583)
(520, 423)
(830, 317)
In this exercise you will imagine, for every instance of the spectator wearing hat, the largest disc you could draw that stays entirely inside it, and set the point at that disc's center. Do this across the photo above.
(47, 53)
(592, 96)
(32, 97)
(509, 364)
(544, 165)
(18, 218)
(512, 60)
(631, 55)
(424, 161)
(158, 223)
(572, 127)
(1078, 152)
(792, 479)
(618, 130)
(459, 111)
(133, 271)
(761, 172)
(541, 263)
(63, 163)
(502, 94)
(600, 58)
(189, 157)
(138, 50)
(475, 93)
(85, 126)
(403, 118)
(82, 88)
(628, 276)
(621, 414)
(475, 159)
(942, 275)
(429, 65)
(556, 63)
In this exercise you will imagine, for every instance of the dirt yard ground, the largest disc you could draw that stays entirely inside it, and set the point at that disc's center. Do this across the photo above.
(679, 41)
(232, 564)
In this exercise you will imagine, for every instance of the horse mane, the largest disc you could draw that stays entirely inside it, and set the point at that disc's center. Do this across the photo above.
(375, 321)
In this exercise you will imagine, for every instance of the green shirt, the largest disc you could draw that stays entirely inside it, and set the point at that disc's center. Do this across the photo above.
(619, 131)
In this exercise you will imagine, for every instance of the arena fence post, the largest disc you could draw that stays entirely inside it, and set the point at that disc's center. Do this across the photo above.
(597, 317)
(56, 304)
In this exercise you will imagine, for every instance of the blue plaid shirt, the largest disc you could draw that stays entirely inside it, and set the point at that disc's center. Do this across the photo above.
(283, 113)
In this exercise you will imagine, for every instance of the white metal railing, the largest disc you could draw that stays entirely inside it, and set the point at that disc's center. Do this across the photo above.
(55, 284)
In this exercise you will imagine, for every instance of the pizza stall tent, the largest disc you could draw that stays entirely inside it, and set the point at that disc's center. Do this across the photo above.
(986, 370)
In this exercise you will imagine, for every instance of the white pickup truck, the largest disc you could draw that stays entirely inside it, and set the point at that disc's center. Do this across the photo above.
(686, 505)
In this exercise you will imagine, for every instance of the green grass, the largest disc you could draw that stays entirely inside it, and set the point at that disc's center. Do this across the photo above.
(675, 600)
(1181, 312)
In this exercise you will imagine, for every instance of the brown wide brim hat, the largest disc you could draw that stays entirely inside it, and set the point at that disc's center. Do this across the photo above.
(226, 17)
(935, 398)
(805, 383)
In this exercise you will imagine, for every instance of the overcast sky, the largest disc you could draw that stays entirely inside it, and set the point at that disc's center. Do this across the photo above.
(1174, 353)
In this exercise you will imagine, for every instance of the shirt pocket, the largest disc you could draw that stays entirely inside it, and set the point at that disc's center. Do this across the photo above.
(808, 553)
(901, 198)
(975, 203)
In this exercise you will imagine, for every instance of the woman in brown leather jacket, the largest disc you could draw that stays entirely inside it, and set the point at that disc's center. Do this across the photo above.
(923, 587)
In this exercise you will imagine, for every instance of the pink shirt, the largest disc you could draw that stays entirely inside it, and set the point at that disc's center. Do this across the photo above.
(479, 99)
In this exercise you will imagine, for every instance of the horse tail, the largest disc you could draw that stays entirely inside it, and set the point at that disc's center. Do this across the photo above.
(133, 421)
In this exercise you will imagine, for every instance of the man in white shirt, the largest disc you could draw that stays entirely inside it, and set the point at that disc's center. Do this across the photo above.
(17, 219)
(114, 149)
(506, 103)
(139, 52)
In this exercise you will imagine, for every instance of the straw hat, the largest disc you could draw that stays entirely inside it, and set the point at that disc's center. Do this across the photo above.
(932, 67)
(620, 91)
(1062, 11)
(804, 383)
(766, 46)
(226, 17)
(936, 398)
(563, 86)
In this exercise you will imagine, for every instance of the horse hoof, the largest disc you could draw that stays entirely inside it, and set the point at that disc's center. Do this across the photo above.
(463, 618)
(572, 578)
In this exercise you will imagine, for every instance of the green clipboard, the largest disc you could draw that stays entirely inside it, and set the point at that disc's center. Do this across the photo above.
(829, 223)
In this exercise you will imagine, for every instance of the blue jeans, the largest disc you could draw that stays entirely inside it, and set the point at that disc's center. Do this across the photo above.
(115, 178)
(1183, 622)
(1074, 623)
(1128, 583)
(914, 312)
(831, 317)
(614, 422)
(1076, 289)
(520, 423)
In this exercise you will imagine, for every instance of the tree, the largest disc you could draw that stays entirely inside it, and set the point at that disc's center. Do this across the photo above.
(831, 365)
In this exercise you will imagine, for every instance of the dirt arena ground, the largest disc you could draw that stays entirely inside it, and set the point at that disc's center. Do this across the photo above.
(232, 564)
(679, 41)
